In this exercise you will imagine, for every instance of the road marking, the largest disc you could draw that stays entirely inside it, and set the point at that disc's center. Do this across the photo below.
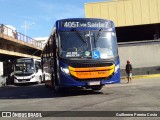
(144, 76)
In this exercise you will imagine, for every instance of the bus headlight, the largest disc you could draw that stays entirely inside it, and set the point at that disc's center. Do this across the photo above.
(65, 70)
(116, 68)
(32, 76)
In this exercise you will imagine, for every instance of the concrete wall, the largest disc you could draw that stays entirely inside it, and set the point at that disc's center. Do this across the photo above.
(1, 68)
(144, 57)
(125, 12)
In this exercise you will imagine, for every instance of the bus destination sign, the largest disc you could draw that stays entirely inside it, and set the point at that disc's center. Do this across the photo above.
(81, 24)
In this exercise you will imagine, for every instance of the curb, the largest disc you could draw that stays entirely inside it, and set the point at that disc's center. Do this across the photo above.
(143, 76)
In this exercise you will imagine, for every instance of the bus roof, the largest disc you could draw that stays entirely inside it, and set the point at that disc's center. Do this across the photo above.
(84, 24)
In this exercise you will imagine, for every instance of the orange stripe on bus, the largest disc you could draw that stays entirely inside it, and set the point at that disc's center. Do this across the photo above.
(91, 68)
(94, 72)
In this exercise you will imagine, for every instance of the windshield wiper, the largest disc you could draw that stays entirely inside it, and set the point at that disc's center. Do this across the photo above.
(95, 41)
(97, 37)
(81, 37)
(99, 34)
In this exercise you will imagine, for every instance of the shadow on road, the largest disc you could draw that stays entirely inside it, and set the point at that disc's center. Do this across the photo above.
(33, 91)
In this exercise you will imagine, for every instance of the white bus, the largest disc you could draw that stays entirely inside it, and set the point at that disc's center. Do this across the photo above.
(27, 70)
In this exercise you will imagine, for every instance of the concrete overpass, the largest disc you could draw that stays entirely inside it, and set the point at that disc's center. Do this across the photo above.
(16, 45)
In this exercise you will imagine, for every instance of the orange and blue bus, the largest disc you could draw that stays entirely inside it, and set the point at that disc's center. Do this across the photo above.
(81, 52)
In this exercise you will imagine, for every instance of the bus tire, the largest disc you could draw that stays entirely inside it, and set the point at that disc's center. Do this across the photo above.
(56, 89)
(45, 81)
(40, 80)
(46, 85)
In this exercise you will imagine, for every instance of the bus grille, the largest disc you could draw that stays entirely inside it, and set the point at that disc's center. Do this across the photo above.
(89, 65)
(86, 65)
(20, 80)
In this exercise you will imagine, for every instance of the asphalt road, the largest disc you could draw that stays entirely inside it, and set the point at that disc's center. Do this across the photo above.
(140, 95)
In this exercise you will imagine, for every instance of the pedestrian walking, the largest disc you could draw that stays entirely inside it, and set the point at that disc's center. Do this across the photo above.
(129, 71)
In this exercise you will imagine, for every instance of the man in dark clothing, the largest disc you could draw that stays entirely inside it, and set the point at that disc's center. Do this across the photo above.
(129, 71)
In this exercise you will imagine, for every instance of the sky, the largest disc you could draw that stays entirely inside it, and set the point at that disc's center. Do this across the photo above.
(39, 15)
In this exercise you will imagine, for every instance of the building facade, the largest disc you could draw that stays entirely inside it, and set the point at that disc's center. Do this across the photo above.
(126, 12)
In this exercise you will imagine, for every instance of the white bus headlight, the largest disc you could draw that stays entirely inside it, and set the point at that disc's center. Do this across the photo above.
(65, 70)
(116, 68)
(32, 76)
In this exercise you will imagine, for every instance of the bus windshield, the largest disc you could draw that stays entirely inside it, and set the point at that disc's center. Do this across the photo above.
(22, 67)
(80, 44)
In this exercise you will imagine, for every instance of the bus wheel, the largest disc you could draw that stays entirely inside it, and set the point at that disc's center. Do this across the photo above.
(57, 89)
(40, 80)
(96, 88)
(46, 85)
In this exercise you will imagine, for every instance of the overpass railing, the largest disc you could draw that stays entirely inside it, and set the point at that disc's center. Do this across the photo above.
(12, 32)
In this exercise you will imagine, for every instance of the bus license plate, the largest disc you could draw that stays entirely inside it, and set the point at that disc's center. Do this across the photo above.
(94, 83)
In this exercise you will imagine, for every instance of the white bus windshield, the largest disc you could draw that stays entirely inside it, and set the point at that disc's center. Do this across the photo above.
(81, 45)
(24, 68)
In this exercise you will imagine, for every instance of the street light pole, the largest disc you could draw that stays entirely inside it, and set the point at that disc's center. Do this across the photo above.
(26, 26)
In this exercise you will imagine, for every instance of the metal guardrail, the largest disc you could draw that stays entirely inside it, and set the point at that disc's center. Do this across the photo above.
(19, 36)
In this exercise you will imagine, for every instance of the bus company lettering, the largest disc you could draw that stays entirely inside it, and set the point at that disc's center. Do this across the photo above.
(85, 73)
(87, 24)
(92, 73)
(101, 72)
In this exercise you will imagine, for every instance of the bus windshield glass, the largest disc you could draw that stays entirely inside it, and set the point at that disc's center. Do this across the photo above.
(24, 67)
(81, 44)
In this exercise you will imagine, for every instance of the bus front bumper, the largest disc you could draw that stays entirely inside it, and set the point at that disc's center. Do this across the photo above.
(68, 81)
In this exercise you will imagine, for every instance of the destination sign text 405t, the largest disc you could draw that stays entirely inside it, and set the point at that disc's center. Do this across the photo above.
(72, 24)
